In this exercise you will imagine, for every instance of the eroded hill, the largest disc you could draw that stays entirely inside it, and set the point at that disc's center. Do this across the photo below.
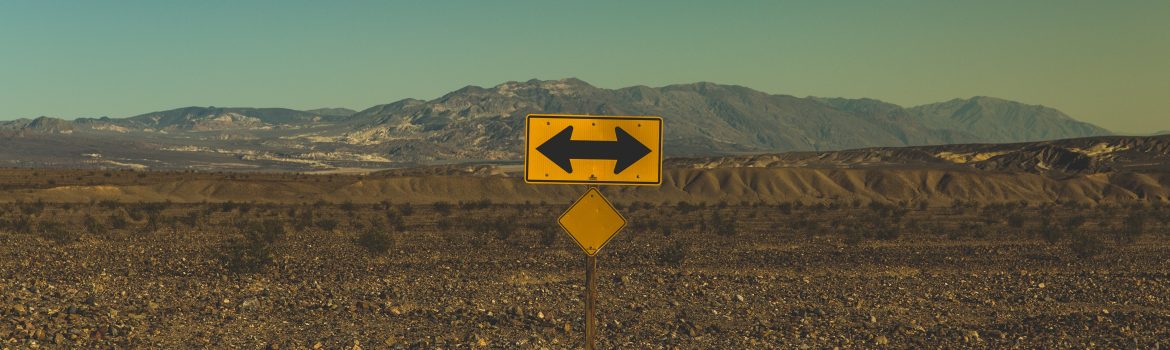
(1088, 170)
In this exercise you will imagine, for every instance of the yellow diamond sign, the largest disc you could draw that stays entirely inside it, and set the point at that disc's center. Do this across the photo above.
(592, 221)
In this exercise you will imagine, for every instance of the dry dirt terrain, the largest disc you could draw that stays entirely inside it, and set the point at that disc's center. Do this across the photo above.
(480, 274)
(1061, 244)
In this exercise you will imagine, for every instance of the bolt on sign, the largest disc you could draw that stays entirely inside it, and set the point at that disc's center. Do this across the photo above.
(593, 150)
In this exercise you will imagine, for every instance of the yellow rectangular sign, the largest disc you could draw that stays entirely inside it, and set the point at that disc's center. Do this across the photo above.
(595, 150)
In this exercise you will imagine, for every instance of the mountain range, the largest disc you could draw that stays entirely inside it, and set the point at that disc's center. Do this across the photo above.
(476, 124)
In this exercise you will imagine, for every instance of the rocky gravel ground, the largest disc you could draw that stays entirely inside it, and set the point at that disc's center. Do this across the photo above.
(434, 289)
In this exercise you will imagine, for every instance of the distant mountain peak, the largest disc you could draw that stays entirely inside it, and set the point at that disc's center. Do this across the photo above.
(40, 125)
(218, 118)
(560, 86)
(333, 111)
(999, 120)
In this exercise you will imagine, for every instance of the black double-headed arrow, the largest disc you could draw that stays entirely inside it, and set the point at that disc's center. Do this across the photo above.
(561, 148)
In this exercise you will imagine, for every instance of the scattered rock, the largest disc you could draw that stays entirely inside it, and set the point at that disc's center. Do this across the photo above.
(970, 336)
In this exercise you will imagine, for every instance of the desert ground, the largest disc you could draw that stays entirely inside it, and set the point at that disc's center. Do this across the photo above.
(688, 274)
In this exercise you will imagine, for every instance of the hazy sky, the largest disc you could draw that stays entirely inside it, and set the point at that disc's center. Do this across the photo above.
(1106, 62)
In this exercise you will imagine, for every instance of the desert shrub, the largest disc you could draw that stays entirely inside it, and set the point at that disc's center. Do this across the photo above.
(548, 236)
(1133, 227)
(481, 231)
(1107, 209)
(1086, 246)
(191, 219)
(472, 205)
(303, 218)
(886, 232)
(247, 254)
(641, 206)
(21, 224)
(395, 220)
(853, 236)
(888, 212)
(93, 225)
(525, 207)
(57, 232)
(912, 226)
(666, 229)
(253, 251)
(118, 221)
(441, 207)
(641, 225)
(1164, 217)
(504, 228)
(1075, 222)
(685, 207)
(327, 224)
(153, 222)
(227, 207)
(784, 208)
(376, 241)
(819, 208)
(443, 224)
(405, 209)
(634, 206)
(1049, 232)
(980, 230)
(1016, 220)
(137, 214)
(269, 230)
(348, 207)
(33, 208)
(722, 227)
(673, 254)
(500, 228)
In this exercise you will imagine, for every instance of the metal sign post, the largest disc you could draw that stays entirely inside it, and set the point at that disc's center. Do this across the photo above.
(592, 150)
(590, 301)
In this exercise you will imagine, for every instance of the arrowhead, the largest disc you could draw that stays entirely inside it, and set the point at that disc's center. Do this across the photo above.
(630, 150)
(557, 150)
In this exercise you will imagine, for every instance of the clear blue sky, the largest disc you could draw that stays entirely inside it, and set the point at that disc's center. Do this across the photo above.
(1106, 62)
